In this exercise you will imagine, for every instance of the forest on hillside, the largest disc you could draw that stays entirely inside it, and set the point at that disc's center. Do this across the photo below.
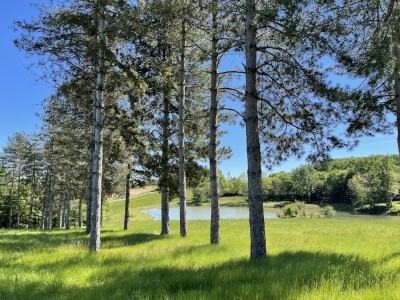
(363, 184)
(142, 87)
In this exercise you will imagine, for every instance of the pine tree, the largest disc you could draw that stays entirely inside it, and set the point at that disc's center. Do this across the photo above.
(365, 48)
(256, 211)
(14, 158)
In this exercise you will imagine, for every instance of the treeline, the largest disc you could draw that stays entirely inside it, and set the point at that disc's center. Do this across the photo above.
(364, 182)
(44, 180)
(142, 86)
(370, 184)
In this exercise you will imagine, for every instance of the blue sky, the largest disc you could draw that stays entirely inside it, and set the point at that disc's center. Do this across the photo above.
(21, 95)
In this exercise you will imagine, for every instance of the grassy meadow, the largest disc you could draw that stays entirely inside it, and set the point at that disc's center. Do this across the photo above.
(307, 259)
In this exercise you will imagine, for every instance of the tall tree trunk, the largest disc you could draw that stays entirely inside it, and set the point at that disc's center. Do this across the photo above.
(127, 196)
(64, 209)
(19, 195)
(44, 214)
(60, 208)
(10, 213)
(68, 204)
(94, 243)
(164, 176)
(101, 211)
(47, 200)
(80, 209)
(182, 100)
(396, 54)
(258, 248)
(89, 193)
(49, 183)
(215, 216)
(51, 202)
(32, 197)
(89, 185)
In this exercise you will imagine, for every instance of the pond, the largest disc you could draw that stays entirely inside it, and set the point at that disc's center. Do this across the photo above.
(204, 212)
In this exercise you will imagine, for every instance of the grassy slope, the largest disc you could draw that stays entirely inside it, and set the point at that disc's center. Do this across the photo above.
(307, 259)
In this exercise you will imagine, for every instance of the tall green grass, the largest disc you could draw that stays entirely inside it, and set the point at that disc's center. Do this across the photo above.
(307, 259)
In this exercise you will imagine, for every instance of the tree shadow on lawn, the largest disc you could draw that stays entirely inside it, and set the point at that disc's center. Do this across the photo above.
(387, 258)
(277, 277)
(281, 276)
(47, 243)
(41, 239)
(17, 240)
(114, 241)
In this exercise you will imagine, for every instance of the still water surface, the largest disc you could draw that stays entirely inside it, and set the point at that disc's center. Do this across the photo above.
(204, 212)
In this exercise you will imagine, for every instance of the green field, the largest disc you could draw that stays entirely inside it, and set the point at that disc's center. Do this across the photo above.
(307, 259)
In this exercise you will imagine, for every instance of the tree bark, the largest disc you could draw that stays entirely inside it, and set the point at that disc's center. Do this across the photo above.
(49, 184)
(32, 197)
(94, 243)
(89, 185)
(68, 202)
(80, 210)
(44, 214)
(215, 215)
(50, 213)
(47, 200)
(10, 213)
(19, 195)
(258, 247)
(182, 100)
(60, 208)
(64, 209)
(89, 192)
(164, 172)
(396, 54)
(127, 196)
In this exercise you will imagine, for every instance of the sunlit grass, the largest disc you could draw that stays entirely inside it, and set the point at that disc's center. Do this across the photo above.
(307, 259)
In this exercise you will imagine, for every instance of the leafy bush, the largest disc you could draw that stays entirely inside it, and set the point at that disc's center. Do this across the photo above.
(200, 195)
(366, 209)
(282, 204)
(300, 205)
(291, 210)
(329, 211)
(316, 215)
(302, 214)
(394, 210)
(379, 208)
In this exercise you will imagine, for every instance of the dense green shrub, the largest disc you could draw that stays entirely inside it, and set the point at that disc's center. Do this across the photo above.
(200, 195)
(282, 204)
(291, 210)
(316, 215)
(329, 211)
(379, 208)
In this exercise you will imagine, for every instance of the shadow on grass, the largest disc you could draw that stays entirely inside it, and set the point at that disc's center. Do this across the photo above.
(390, 257)
(18, 240)
(286, 275)
(282, 276)
(114, 241)
(31, 243)
(37, 240)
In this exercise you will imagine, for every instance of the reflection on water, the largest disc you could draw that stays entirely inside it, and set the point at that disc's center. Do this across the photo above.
(203, 213)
